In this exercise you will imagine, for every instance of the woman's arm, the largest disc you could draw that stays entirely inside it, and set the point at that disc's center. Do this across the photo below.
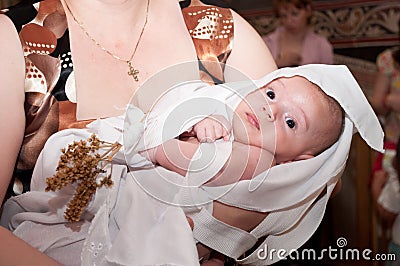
(379, 94)
(13, 250)
(12, 117)
(378, 182)
(16, 252)
(244, 163)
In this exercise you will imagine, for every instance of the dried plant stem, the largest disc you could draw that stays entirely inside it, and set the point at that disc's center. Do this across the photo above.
(83, 164)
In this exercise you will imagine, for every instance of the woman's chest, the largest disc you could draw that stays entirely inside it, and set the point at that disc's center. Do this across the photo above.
(105, 84)
(290, 44)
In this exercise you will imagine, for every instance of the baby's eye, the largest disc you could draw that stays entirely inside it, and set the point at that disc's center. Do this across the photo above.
(270, 93)
(290, 122)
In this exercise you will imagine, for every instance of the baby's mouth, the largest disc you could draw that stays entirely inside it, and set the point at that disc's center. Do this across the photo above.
(253, 120)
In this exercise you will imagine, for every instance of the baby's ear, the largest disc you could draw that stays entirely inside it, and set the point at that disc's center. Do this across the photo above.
(303, 157)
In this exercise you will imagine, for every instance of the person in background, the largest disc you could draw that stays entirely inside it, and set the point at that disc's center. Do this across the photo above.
(83, 60)
(294, 42)
(385, 100)
(386, 195)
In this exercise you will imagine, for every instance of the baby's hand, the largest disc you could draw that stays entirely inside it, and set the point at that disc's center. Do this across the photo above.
(212, 128)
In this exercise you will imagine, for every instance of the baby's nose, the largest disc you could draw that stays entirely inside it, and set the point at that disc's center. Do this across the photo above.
(269, 112)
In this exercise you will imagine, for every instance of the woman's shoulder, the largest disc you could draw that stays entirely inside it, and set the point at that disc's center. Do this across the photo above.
(321, 46)
(209, 11)
(243, 47)
(6, 27)
(318, 38)
(250, 54)
(273, 35)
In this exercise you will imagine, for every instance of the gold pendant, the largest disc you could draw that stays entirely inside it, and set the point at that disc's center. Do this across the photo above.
(133, 72)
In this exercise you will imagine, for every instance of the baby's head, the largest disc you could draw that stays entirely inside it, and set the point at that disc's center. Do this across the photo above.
(290, 117)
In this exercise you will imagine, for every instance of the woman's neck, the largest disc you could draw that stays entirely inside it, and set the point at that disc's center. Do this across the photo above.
(111, 5)
(100, 13)
(112, 23)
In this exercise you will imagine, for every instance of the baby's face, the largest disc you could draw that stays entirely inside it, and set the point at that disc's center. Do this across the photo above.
(282, 117)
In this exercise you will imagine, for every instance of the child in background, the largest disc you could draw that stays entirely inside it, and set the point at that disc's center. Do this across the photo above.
(386, 193)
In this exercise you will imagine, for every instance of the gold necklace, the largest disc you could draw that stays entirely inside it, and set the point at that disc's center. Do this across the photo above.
(132, 71)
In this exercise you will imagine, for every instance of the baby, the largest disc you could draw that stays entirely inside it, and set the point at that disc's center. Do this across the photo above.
(287, 120)
(283, 120)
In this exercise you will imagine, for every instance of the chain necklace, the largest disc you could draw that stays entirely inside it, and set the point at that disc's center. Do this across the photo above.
(132, 71)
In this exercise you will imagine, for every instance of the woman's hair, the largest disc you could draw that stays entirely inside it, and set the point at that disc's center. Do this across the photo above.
(297, 3)
(300, 4)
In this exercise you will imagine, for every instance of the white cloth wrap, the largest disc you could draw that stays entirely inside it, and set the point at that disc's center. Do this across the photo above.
(290, 192)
